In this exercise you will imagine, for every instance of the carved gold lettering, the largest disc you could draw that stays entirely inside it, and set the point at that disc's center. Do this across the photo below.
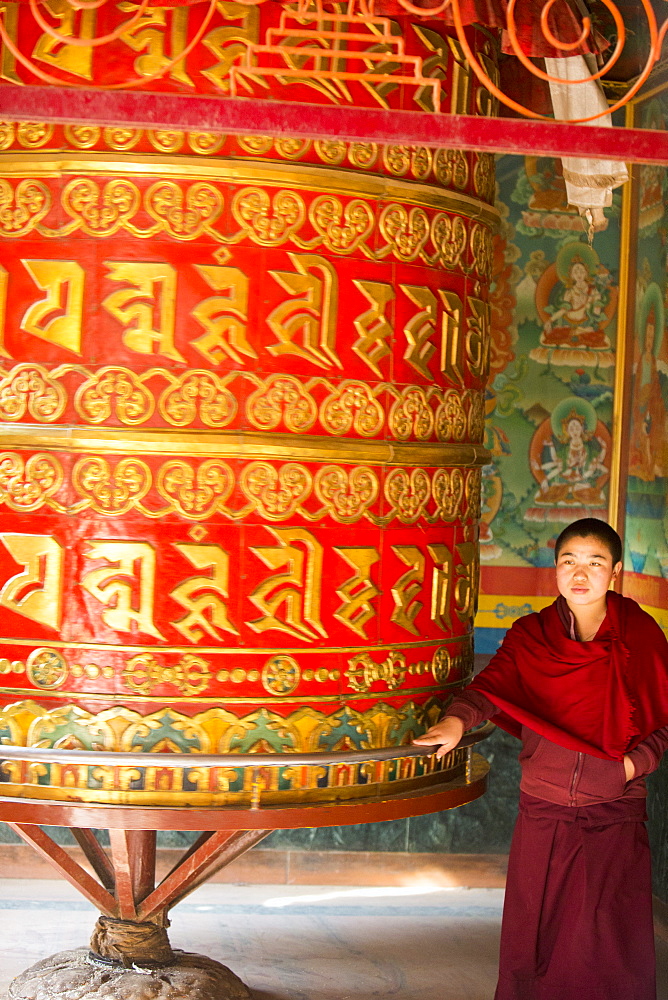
(35, 593)
(433, 67)
(372, 326)
(478, 338)
(441, 585)
(9, 12)
(147, 309)
(148, 35)
(460, 93)
(60, 279)
(224, 317)
(73, 23)
(381, 91)
(407, 587)
(126, 587)
(448, 54)
(451, 341)
(357, 591)
(486, 103)
(313, 317)
(229, 45)
(297, 591)
(466, 587)
(203, 597)
(420, 329)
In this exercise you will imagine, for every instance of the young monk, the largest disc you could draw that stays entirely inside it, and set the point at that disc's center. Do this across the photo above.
(584, 684)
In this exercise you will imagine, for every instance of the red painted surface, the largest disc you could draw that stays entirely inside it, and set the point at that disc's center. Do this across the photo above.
(242, 116)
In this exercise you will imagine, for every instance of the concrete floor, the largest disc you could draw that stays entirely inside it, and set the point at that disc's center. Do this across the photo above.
(421, 942)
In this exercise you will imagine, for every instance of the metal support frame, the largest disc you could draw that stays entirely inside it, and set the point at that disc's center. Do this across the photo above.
(243, 116)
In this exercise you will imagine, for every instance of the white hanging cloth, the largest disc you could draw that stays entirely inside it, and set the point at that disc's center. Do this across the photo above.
(589, 183)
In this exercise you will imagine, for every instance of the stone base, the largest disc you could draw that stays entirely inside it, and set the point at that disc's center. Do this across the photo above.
(73, 975)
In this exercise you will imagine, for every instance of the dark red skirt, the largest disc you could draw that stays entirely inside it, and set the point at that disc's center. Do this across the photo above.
(577, 919)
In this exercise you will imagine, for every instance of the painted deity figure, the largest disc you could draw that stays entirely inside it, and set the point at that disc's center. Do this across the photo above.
(569, 459)
(575, 303)
(649, 447)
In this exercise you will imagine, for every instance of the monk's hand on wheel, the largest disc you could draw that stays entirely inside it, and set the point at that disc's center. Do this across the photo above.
(446, 734)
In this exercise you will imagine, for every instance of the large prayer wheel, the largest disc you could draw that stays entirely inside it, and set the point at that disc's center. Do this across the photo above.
(241, 406)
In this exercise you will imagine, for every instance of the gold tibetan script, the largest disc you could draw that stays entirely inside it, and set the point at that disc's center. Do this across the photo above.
(146, 307)
(312, 317)
(36, 592)
(204, 597)
(290, 601)
(126, 586)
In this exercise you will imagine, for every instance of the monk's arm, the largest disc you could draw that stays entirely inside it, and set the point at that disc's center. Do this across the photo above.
(467, 710)
(647, 755)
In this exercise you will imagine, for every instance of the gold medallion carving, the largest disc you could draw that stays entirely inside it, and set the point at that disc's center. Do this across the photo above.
(346, 494)
(451, 167)
(451, 423)
(343, 229)
(185, 214)
(195, 492)
(352, 406)
(408, 493)
(281, 675)
(111, 491)
(441, 665)
(421, 162)
(122, 139)
(198, 394)
(277, 493)
(7, 134)
(484, 178)
(363, 154)
(32, 135)
(114, 391)
(406, 232)
(101, 212)
(397, 159)
(332, 152)
(31, 389)
(46, 668)
(26, 485)
(269, 222)
(411, 416)
(22, 208)
(292, 149)
(257, 144)
(83, 136)
(165, 141)
(282, 398)
(206, 143)
(448, 493)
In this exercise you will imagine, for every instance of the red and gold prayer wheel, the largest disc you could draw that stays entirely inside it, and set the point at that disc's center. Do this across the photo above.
(241, 406)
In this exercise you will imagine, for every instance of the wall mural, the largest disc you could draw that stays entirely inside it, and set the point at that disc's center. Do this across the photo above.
(647, 513)
(549, 402)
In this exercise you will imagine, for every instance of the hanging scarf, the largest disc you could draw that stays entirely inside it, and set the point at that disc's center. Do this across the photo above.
(603, 697)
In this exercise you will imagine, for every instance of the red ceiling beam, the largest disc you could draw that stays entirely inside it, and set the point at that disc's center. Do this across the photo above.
(249, 116)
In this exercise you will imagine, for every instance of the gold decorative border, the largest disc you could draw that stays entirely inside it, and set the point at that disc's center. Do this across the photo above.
(114, 392)
(243, 445)
(449, 168)
(200, 491)
(269, 174)
(280, 675)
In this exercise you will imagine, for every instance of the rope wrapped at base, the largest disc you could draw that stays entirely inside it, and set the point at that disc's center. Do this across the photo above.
(129, 943)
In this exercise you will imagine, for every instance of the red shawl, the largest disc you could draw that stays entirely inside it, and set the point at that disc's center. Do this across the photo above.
(602, 697)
